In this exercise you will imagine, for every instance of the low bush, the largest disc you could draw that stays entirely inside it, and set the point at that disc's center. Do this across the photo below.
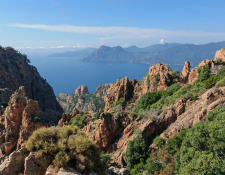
(136, 151)
(66, 146)
(220, 83)
(79, 121)
(159, 142)
(221, 71)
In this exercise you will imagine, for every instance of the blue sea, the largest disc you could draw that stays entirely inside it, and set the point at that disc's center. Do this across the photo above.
(66, 74)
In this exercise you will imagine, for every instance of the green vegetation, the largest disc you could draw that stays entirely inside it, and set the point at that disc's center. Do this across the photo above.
(222, 71)
(121, 102)
(147, 100)
(96, 116)
(176, 73)
(67, 146)
(147, 80)
(203, 149)
(159, 142)
(136, 151)
(174, 144)
(204, 73)
(199, 150)
(79, 120)
(221, 83)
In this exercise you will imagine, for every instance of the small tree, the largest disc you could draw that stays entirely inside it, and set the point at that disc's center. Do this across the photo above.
(175, 73)
(136, 150)
(159, 142)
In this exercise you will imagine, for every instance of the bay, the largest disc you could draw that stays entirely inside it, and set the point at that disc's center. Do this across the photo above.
(66, 74)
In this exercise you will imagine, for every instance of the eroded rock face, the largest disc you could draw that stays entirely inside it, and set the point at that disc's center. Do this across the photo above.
(81, 90)
(159, 75)
(220, 54)
(15, 72)
(193, 75)
(34, 165)
(14, 164)
(117, 171)
(22, 117)
(122, 88)
(105, 131)
(67, 117)
(186, 70)
(196, 112)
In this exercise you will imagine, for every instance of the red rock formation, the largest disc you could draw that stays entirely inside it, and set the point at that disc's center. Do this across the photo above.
(35, 165)
(159, 74)
(81, 90)
(220, 54)
(186, 70)
(21, 119)
(15, 72)
(122, 88)
(67, 117)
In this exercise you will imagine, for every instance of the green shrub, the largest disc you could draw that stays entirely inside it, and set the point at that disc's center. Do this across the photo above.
(175, 73)
(220, 83)
(212, 80)
(173, 88)
(136, 150)
(66, 146)
(221, 71)
(174, 143)
(121, 101)
(147, 80)
(204, 73)
(79, 120)
(147, 99)
(159, 142)
(203, 148)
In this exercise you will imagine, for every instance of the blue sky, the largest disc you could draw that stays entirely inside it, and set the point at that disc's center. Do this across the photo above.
(83, 23)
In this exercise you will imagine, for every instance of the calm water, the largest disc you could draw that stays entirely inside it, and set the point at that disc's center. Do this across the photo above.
(66, 74)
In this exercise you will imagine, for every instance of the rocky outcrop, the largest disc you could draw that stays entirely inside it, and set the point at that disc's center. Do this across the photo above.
(186, 70)
(159, 77)
(122, 88)
(101, 90)
(220, 54)
(106, 129)
(82, 100)
(196, 112)
(22, 117)
(35, 165)
(81, 90)
(15, 72)
(117, 171)
(14, 164)
(67, 117)
(193, 75)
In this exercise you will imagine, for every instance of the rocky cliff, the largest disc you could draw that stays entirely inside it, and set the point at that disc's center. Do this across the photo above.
(15, 72)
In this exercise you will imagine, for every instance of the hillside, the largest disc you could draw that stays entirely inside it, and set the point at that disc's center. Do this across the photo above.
(169, 122)
(168, 53)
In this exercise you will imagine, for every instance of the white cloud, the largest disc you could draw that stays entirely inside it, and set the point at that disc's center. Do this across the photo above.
(162, 41)
(123, 33)
(118, 31)
(126, 45)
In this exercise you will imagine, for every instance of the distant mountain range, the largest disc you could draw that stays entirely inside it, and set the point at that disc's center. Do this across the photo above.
(168, 53)
(151, 49)
(77, 53)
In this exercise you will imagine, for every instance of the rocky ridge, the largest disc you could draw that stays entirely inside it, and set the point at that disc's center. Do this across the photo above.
(82, 100)
(15, 72)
